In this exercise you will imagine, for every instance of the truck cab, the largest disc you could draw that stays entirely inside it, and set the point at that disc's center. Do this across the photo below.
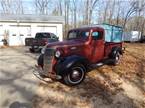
(70, 60)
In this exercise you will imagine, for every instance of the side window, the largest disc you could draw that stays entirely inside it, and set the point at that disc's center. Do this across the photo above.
(21, 35)
(53, 35)
(85, 34)
(14, 35)
(97, 35)
(46, 35)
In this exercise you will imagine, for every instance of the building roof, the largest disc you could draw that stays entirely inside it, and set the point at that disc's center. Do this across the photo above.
(31, 18)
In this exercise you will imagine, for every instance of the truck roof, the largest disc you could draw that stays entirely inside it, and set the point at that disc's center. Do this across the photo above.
(113, 33)
(99, 26)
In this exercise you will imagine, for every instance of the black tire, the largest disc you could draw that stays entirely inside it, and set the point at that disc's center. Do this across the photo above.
(116, 59)
(40, 60)
(73, 78)
(37, 50)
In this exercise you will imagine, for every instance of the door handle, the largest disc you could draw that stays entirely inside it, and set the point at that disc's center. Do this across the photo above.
(73, 48)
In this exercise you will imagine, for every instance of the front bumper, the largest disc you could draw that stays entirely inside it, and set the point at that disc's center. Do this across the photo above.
(39, 73)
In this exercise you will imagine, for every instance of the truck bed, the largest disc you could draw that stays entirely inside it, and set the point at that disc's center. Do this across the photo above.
(110, 45)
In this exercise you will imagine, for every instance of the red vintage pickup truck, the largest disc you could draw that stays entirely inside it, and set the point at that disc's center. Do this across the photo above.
(85, 47)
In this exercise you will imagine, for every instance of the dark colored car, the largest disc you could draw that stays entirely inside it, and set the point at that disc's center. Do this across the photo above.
(85, 48)
(142, 39)
(40, 40)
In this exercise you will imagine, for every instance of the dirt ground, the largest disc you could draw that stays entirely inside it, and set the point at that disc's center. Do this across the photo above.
(121, 86)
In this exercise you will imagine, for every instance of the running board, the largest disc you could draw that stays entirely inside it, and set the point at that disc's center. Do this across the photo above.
(104, 62)
(97, 65)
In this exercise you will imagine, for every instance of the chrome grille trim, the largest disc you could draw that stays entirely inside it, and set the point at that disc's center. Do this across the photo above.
(48, 56)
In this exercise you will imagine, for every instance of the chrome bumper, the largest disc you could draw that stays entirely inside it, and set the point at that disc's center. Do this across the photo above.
(39, 73)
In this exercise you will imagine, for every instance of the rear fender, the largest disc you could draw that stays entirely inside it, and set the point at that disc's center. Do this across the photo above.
(115, 50)
(63, 66)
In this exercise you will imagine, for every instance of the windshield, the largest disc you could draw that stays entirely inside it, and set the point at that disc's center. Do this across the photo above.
(78, 34)
(42, 35)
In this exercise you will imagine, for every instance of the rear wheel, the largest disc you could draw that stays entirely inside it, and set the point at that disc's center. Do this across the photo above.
(116, 60)
(75, 76)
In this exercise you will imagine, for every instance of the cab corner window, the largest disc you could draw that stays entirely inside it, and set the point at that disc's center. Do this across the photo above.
(13, 34)
(21, 35)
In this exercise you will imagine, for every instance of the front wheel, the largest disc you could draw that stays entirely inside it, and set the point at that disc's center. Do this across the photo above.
(40, 60)
(32, 50)
(75, 76)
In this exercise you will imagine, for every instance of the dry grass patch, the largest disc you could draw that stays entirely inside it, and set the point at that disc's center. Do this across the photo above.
(121, 86)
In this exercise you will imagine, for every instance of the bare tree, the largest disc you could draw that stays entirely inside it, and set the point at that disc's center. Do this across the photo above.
(19, 7)
(111, 12)
(12, 6)
(132, 9)
(90, 7)
(42, 6)
(6, 6)
(66, 8)
(106, 11)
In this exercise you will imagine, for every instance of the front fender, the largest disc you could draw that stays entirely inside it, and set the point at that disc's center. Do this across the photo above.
(63, 65)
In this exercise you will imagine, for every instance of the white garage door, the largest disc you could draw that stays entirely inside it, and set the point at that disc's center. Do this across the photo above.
(17, 34)
(24, 32)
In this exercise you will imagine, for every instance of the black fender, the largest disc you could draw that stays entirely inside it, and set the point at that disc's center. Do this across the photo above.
(63, 65)
(115, 50)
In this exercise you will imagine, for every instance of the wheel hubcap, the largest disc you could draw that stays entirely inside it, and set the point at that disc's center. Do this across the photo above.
(76, 75)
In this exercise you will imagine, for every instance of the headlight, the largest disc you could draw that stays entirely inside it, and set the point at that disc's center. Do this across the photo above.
(43, 50)
(57, 54)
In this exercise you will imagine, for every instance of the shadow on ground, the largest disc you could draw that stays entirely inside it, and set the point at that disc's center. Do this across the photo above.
(20, 105)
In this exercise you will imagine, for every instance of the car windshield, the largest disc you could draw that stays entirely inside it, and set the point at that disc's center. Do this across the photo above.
(42, 35)
(77, 34)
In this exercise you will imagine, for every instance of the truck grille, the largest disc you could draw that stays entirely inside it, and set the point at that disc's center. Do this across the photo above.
(48, 57)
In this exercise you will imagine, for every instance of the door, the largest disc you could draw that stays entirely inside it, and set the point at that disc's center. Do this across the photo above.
(24, 32)
(17, 34)
(98, 46)
(14, 36)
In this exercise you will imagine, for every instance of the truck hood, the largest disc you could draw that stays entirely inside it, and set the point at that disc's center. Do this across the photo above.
(66, 43)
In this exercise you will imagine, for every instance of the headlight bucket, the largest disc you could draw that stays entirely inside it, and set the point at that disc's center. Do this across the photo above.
(57, 53)
(43, 49)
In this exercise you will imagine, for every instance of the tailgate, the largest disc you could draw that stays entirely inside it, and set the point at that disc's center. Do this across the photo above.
(31, 42)
(35, 42)
(42, 42)
(28, 41)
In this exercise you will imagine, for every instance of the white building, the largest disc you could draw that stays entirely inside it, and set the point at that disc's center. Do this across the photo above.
(133, 36)
(18, 27)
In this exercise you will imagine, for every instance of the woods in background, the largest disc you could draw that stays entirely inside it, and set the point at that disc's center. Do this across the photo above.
(127, 13)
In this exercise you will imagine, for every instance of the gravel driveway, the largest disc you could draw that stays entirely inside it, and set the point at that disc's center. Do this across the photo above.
(17, 82)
